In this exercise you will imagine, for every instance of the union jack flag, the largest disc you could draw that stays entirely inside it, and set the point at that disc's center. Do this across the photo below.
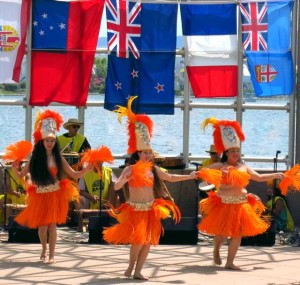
(123, 27)
(254, 26)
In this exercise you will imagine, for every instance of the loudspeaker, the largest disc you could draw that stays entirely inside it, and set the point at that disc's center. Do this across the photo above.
(20, 234)
(185, 232)
(96, 225)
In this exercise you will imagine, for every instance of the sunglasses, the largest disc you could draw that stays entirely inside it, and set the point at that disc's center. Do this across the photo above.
(213, 153)
(75, 127)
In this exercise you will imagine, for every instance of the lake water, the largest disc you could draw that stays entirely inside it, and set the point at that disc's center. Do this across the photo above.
(266, 131)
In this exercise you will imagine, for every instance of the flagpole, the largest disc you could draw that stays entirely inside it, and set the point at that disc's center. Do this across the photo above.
(296, 97)
(186, 115)
(239, 98)
(28, 110)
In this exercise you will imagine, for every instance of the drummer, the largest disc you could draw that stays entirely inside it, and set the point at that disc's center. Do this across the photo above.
(72, 141)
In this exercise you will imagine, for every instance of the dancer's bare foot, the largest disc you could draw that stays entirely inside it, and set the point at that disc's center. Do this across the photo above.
(232, 267)
(217, 257)
(139, 276)
(51, 261)
(128, 272)
(43, 256)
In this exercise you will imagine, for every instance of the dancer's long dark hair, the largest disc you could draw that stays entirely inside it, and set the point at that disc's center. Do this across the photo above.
(160, 189)
(38, 166)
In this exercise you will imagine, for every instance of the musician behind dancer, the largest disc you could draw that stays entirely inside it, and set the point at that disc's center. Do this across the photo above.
(92, 188)
(15, 189)
(72, 141)
(214, 158)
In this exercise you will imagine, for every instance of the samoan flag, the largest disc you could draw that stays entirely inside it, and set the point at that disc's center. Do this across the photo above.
(266, 33)
(64, 40)
(141, 61)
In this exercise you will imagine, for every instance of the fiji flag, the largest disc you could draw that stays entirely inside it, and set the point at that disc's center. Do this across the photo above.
(141, 61)
(266, 29)
(210, 34)
(64, 40)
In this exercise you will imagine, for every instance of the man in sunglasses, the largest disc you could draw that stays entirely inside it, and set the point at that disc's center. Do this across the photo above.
(214, 157)
(71, 144)
(72, 141)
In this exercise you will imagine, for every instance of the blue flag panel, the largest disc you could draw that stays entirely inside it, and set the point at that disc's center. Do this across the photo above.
(266, 29)
(142, 45)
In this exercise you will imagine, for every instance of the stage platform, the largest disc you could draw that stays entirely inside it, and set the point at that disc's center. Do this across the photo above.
(79, 262)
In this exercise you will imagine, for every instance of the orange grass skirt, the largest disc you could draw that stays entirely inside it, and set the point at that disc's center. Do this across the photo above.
(47, 208)
(232, 220)
(140, 227)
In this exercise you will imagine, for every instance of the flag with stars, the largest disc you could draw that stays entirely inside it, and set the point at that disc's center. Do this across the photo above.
(64, 41)
(141, 61)
(266, 35)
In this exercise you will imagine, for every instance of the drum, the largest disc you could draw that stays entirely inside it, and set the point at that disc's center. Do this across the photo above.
(15, 208)
(72, 158)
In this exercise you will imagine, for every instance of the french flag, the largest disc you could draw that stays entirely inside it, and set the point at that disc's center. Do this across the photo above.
(210, 34)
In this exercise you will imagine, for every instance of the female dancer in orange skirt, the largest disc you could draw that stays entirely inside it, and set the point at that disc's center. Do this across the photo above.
(49, 191)
(139, 219)
(231, 211)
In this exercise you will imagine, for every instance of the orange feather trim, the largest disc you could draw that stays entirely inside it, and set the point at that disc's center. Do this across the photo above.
(139, 173)
(132, 118)
(42, 115)
(95, 156)
(140, 227)
(291, 180)
(18, 151)
(237, 178)
(212, 176)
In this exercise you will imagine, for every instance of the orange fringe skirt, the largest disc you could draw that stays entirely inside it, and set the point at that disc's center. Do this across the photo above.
(47, 207)
(232, 219)
(140, 223)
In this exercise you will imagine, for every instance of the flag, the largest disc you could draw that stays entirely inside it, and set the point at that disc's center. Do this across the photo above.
(14, 17)
(266, 36)
(141, 61)
(64, 40)
(210, 34)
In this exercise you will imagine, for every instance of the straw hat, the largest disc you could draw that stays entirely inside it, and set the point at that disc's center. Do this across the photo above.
(212, 149)
(72, 122)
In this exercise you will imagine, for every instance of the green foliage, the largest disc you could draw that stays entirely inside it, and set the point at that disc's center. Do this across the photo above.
(97, 84)
(11, 87)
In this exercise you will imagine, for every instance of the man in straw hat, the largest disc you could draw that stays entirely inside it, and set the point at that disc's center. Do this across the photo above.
(149, 200)
(72, 141)
(214, 156)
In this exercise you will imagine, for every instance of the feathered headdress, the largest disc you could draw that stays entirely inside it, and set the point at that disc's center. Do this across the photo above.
(226, 134)
(47, 123)
(17, 151)
(96, 156)
(139, 128)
